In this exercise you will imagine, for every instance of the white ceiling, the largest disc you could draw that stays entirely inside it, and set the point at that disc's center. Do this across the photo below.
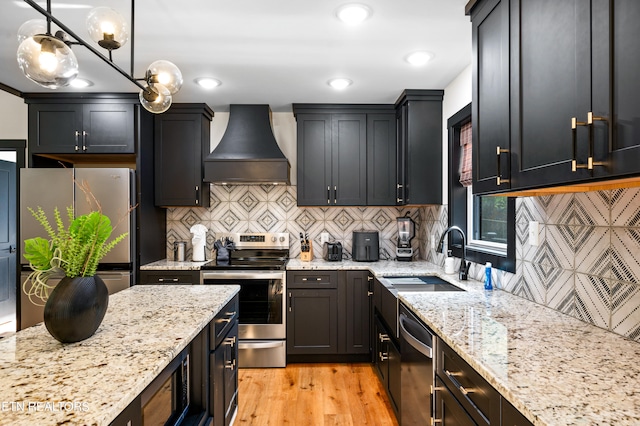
(275, 52)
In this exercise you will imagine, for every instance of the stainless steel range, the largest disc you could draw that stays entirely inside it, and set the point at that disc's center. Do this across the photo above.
(258, 266)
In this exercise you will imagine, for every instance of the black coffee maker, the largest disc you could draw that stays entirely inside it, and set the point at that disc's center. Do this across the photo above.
(406, 232)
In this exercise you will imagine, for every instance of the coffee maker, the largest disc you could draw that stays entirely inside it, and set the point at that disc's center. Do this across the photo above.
(406, 232)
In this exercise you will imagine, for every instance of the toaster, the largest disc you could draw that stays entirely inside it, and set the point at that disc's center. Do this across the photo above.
(332, 252)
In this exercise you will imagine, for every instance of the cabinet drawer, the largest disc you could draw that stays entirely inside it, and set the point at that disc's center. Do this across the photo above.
(312, 279)
(224, 321)
(169, 277)
(475, 394)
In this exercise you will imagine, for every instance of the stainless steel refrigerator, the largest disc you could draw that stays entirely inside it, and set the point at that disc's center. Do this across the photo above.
(114, 188)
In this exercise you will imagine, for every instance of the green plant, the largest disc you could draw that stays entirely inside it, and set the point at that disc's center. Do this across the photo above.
(75, 250)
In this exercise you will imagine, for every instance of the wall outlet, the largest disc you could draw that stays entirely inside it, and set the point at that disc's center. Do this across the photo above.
(324, 237)
(534, 231)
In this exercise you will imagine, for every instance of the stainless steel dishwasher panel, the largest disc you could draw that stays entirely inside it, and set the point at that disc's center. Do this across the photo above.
(417, 369)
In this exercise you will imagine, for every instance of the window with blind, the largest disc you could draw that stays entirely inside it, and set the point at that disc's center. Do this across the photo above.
(488, 221)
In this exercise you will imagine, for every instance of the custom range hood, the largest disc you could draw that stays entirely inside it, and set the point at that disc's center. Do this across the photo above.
(248, 151)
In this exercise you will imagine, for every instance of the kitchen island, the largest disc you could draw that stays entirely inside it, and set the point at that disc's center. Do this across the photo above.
(45, 382)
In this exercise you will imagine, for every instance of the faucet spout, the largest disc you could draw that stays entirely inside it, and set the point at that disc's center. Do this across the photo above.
(464, 265)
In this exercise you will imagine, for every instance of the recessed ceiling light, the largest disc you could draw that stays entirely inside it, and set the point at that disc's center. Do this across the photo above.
(340, 83)
(80, 83)
(419, 59)
(208, 82)
(353, 13)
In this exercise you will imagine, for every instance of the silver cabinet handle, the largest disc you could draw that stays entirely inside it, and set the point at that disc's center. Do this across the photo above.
(230, 316)
(328, 195)
(84, 140)
(335, 195)
(77, 139)
(383, 356)
(461, 388)
(369, 293)
(230, 365)
(383, 337)
(173, 280)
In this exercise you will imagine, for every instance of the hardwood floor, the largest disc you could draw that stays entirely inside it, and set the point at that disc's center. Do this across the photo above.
(313, 394)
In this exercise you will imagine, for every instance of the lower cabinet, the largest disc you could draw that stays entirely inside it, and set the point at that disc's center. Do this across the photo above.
(387, 363)
(223, 365)
(329, 313)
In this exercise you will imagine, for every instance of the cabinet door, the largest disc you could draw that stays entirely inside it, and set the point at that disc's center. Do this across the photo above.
(312, 322)
(169, 277)
(381, 160)
(490, 106)
(178, 160)
(402, 139)
(551, 82)
(358, 312)
(512, 417)
(395, 386)
(349, 160)
(55, 128)
(616, 86)
(108, 128)
(447, 410)
(314, 159)
(230, 347)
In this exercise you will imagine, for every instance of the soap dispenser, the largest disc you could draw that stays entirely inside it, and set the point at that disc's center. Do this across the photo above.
(487, 277)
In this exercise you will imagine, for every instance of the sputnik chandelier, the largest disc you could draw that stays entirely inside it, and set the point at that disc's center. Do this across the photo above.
(46, 58)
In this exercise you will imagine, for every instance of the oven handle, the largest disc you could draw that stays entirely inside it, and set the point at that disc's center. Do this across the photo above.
(261, 345)
(246, 275)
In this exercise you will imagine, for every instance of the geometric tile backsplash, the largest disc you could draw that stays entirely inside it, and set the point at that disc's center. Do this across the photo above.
(586, 265)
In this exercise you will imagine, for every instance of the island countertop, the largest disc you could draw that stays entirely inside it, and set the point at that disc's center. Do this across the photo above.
(45, 382)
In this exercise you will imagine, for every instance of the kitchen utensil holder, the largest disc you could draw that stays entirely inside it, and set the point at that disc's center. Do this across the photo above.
(307, 256)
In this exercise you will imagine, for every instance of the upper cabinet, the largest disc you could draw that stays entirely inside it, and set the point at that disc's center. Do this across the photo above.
(182, 140)
(90, 127)
(343, 154)
(419, 147)
(554, 93)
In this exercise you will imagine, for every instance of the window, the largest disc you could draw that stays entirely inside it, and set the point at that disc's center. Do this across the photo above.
(488, 221)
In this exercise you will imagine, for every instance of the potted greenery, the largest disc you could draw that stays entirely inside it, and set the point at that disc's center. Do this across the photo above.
(75, 307)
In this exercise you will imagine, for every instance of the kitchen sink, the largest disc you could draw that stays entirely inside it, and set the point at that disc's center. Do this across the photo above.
(420, 283)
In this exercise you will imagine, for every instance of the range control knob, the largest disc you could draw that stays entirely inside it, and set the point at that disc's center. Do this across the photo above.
(282, 239)
(273, 239)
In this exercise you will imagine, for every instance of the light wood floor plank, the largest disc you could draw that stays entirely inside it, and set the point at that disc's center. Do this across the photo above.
(314, 395)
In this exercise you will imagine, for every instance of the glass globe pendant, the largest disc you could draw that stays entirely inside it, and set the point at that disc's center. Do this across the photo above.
(30, 28)
(155, 98)
(107, 28)
(47, 61)
(165, 73)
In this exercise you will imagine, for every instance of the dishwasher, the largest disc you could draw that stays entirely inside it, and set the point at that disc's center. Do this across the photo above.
(417, 369)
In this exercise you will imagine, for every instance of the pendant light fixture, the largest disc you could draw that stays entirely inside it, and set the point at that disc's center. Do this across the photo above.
(47, 59)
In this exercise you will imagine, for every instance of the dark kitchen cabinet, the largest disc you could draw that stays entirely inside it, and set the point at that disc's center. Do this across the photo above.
(346, 154)
(357, 311)
(447, 410)
(182, 140)
(223, 372)
(490, 96)
(510, 416)
(419, 147)
(169, 277)
(573, 117)
(332, 159)
(387, 362)
(381, 159)
(329, 313)
(81, 128)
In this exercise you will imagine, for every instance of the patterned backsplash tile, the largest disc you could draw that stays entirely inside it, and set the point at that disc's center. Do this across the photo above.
(269, 208)
(587, 263)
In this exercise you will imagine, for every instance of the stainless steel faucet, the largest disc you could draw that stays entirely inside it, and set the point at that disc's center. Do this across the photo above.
(464, 265)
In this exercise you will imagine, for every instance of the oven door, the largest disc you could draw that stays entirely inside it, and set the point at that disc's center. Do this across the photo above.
(262, 308)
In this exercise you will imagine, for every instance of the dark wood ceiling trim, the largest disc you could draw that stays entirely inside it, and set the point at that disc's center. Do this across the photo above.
(11, 90)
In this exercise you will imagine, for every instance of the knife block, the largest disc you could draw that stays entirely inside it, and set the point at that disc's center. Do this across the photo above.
(307, 256)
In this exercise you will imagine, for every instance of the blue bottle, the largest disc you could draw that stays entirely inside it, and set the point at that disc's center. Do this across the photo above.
(487, 276)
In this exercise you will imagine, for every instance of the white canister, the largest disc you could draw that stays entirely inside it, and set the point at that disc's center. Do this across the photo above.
(449, 267)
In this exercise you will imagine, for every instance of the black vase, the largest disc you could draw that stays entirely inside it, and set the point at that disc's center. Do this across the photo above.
(75, 308)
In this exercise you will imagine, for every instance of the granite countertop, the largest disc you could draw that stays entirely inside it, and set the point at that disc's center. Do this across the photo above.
(553, 368)
(45, 382)
(173, 265)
